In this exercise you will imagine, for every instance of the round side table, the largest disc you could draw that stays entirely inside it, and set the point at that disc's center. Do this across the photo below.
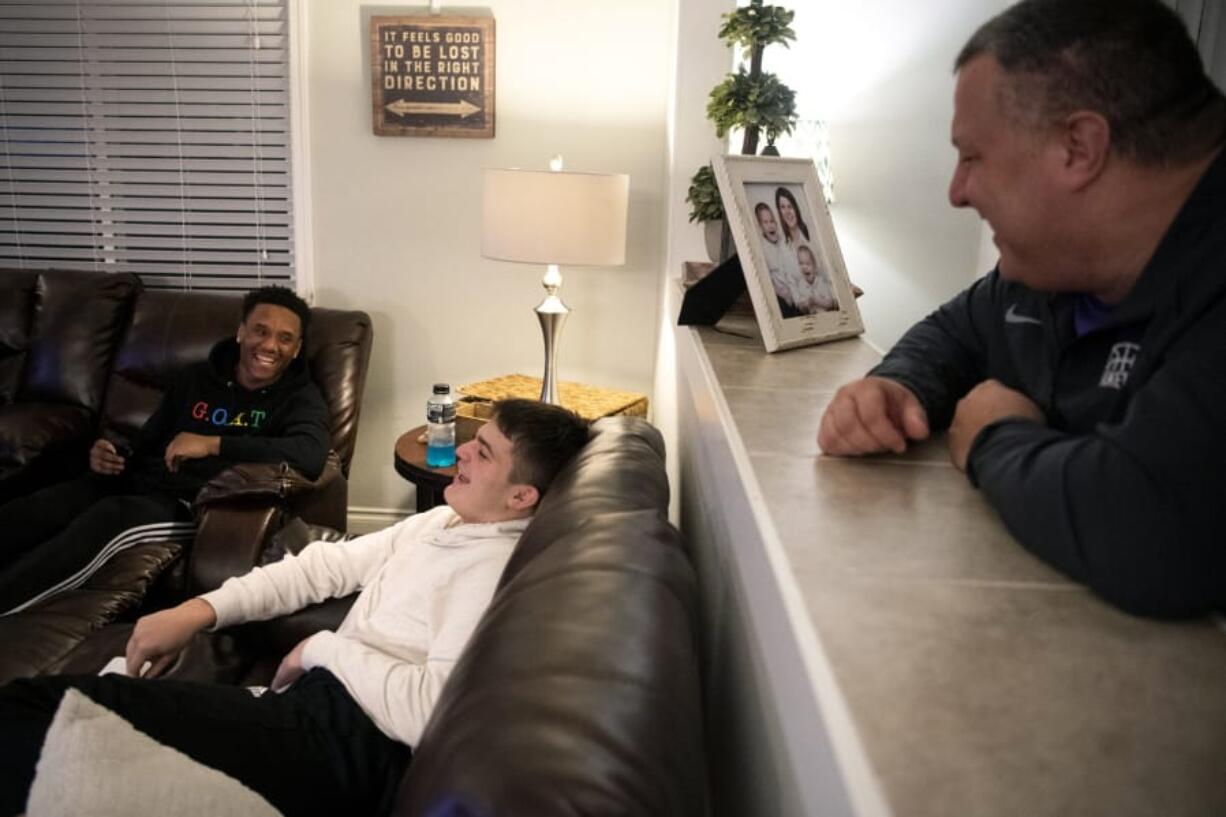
(410, 461)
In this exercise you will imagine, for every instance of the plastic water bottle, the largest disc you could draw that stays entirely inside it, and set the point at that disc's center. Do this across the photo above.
(440, 430)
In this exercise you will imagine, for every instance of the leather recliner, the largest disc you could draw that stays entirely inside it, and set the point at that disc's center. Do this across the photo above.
(236, 512)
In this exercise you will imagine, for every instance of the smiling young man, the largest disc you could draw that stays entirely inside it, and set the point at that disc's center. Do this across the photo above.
(252, 401)
(1082, 379)
(347, 706)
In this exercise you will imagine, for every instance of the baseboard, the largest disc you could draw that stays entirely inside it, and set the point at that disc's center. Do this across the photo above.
(368, 520)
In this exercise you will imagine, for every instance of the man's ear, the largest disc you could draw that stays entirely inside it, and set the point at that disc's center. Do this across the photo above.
(1086, 140)
(523, 497)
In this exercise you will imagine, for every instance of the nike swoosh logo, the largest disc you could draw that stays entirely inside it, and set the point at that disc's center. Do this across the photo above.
(1011, 316)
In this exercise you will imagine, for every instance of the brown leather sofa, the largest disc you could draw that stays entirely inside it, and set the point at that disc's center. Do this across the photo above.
(105, 365)
(579, 693)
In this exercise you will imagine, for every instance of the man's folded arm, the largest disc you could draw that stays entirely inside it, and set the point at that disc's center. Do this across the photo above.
(1131, 509)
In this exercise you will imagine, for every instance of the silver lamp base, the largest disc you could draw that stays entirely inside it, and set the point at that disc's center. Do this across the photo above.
(551, 313)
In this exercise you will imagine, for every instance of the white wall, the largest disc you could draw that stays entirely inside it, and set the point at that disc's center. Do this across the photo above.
(397, 219)
(701, 61)
(882, 76)
(698, 62)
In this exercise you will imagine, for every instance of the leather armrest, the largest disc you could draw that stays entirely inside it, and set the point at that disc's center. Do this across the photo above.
(322, 501)
(267, 642)
(274, 481)
(40, 639)
(240, 509)
(230, 540)
(29, 429)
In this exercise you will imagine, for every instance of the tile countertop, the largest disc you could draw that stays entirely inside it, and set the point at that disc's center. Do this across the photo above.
(979, 680)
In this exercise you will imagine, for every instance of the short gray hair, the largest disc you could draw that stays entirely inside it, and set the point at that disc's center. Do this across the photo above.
(1131, 61)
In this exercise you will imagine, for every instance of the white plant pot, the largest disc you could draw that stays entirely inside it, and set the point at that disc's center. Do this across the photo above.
(711, 232)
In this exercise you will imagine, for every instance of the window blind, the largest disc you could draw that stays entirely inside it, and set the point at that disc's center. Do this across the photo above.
(147, 136)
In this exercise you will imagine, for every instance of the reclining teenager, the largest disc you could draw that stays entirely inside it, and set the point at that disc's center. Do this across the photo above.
(253, 400)
(334, 734)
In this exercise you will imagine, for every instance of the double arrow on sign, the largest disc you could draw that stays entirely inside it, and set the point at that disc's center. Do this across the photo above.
(462, 109)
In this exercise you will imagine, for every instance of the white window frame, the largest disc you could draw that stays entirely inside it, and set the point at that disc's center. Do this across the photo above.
(300, 148)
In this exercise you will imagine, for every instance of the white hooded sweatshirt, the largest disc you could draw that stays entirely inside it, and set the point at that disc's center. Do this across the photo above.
(425, 581)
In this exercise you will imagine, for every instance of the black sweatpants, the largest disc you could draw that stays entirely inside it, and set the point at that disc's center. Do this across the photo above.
(309, 750)
(55, 539)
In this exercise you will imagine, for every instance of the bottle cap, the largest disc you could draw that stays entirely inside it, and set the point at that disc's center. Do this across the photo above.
(441, 388)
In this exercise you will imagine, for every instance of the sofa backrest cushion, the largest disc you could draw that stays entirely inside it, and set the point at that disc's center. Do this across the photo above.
(77, 325)
(171, 330)
(17, 291)
(620, 469)
(338, 351)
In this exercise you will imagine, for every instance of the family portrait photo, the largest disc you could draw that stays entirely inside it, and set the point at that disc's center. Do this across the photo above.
(802, 284)
(787, 250)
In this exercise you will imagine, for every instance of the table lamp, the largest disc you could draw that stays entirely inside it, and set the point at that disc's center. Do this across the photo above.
(552, 217)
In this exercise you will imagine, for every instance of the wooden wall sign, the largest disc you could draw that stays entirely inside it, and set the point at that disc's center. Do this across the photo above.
(432, 75)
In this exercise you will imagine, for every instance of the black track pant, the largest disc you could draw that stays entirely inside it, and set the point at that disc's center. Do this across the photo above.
(310, 750)
(55, 539)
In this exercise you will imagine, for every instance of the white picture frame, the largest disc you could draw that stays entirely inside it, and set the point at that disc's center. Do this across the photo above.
(797, 281)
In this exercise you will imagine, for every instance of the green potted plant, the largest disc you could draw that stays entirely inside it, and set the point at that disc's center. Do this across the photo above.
(707, 208)
(751, 99)
(703, 196)
(754, 100)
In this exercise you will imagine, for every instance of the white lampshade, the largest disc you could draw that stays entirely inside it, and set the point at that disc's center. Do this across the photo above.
(549, 217)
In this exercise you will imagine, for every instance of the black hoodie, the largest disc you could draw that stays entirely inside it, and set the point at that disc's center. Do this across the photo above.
(1125, 487)
(286, 421)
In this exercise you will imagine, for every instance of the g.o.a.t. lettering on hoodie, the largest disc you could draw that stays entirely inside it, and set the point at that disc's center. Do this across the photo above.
(222, 416)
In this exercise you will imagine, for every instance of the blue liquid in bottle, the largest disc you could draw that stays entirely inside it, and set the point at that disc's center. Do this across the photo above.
(440, 456)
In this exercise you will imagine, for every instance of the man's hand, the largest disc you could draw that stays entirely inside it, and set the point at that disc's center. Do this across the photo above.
(291, 668)
(988, 402)
(871, 415)
(105, 459)
(160, 637)
(188, 446)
